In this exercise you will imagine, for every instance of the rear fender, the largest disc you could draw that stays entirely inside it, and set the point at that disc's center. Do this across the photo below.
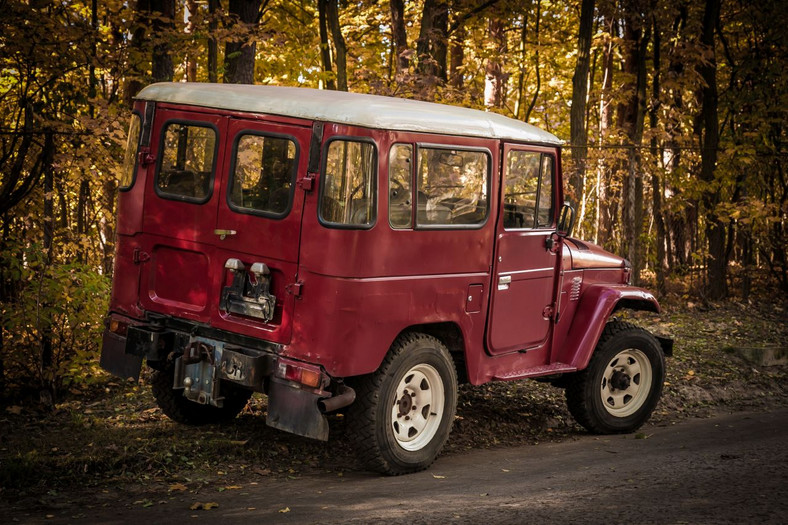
(597, 304)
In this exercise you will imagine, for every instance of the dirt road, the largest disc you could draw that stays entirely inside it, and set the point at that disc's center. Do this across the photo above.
(728, 469)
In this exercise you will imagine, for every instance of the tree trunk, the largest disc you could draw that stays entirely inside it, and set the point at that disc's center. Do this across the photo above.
(577, 116)
(213, 45)
(239, 54)
(495, 79)
(656, 187)
(604, 204)
(163, 14)
(399, 35)
(432, 43)
(325, 46)
(43, 322)
(715, 230)
(457, 58)
(536, 65)
(191, 62)
(339, 44)
(632, 115)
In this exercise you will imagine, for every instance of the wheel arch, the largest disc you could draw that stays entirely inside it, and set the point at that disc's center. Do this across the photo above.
(597, 304)
(450, 334)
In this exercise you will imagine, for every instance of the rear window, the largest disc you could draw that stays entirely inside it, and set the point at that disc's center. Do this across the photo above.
(348, 189)
(188, 154)
(263, 174)
(130, 157)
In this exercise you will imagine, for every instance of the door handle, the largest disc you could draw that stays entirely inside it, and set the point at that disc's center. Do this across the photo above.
(504, 281)
(223, 233)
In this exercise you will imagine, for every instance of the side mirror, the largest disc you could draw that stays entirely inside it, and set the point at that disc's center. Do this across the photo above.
(566, 220)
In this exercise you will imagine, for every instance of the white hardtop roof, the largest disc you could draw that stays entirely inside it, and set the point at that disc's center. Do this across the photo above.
(372, 111)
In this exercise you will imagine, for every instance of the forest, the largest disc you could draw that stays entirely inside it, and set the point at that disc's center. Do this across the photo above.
(673, 113)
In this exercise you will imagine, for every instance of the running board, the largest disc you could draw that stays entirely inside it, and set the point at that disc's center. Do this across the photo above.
(546, 370)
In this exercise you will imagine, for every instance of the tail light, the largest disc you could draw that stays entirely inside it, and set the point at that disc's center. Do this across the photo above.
(308, 375)
(118, 327)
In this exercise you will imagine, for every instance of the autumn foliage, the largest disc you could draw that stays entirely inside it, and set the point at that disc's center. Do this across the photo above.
(674, 114)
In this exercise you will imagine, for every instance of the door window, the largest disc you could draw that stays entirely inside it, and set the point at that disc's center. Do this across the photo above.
(452, 187)
(188, 154)
(263, 172)
(528, 191)
(400, 194)
(348, 189)
(130, 156)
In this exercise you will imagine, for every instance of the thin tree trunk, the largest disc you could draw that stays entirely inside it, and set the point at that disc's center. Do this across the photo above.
(632, 116)
(325, 47)
(518, 104)
(191, 62)
(163, 13)
(431, 47)
(656, 187)
(213, 45)
(715, 230)
(577, 116)
(399, 35)
(537, 67)
(495, 79)
(339, 44)
(239, 54)
(457, 58)
(604, 216)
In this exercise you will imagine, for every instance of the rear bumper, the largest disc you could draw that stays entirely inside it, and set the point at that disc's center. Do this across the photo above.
(201, 363)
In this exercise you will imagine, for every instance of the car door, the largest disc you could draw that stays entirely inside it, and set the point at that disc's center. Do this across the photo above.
(525, 265)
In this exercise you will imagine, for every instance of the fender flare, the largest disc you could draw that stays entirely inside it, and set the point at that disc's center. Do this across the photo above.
(597, 304)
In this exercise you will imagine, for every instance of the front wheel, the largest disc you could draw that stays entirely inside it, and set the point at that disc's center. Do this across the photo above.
(622, 384)
(404, 412)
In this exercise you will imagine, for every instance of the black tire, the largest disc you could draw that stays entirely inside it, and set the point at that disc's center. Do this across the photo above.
(416, 378)
(622, 384)
(182, 410)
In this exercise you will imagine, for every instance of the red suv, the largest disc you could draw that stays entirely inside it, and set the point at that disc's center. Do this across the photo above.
(364, 253)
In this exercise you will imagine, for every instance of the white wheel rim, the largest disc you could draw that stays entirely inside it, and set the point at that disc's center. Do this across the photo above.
(626, 383)
(418, 407)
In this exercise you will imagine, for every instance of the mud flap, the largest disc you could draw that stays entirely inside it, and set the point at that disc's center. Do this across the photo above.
(116, 361)
(295, 410)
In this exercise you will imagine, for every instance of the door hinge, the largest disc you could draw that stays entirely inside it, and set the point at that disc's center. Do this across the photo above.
(549, 312)
(308, 182)
(145, 157)
(139, 256)
(295, 288)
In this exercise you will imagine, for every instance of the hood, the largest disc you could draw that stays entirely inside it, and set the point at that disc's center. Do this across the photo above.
(586, 255)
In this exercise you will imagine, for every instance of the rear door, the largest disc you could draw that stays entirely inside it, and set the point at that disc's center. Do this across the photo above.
(223, 188)
(525, 267)
(259, 215)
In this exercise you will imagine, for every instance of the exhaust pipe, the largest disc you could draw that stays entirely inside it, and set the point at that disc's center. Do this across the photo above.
(344, 397)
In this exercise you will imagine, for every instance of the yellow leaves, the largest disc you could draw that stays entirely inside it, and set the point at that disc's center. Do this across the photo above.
(203, 506)
(284, 510)
(178, 487)
(436, 476)
(14, 409)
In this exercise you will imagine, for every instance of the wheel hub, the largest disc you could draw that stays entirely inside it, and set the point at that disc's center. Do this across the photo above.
(405, 403)
(620, 380)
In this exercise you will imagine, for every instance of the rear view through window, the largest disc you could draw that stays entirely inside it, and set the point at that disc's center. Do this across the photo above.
(188, 156)
(263, 174)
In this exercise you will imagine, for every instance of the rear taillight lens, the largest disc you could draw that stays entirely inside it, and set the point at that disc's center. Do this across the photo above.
(118, 327)
(308, 375)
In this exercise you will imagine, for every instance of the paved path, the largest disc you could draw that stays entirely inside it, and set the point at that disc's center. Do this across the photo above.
(728, 469)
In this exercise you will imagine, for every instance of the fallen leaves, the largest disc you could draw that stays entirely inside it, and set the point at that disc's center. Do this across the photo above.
(284, 510)
(178, 487)
(203, 506)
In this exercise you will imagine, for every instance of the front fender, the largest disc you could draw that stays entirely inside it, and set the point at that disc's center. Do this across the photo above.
(596, 305)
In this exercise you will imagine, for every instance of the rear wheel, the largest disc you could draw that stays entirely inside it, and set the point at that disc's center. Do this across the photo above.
(404, 412)
(622, 384)
(182, 410)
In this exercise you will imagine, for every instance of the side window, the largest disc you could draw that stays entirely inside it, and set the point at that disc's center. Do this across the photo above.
(188, 152)
(528, 197)
(452, 187)
(400, 194)
(544, 215)
(263, 174)
(348, 188)
(130, 156)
